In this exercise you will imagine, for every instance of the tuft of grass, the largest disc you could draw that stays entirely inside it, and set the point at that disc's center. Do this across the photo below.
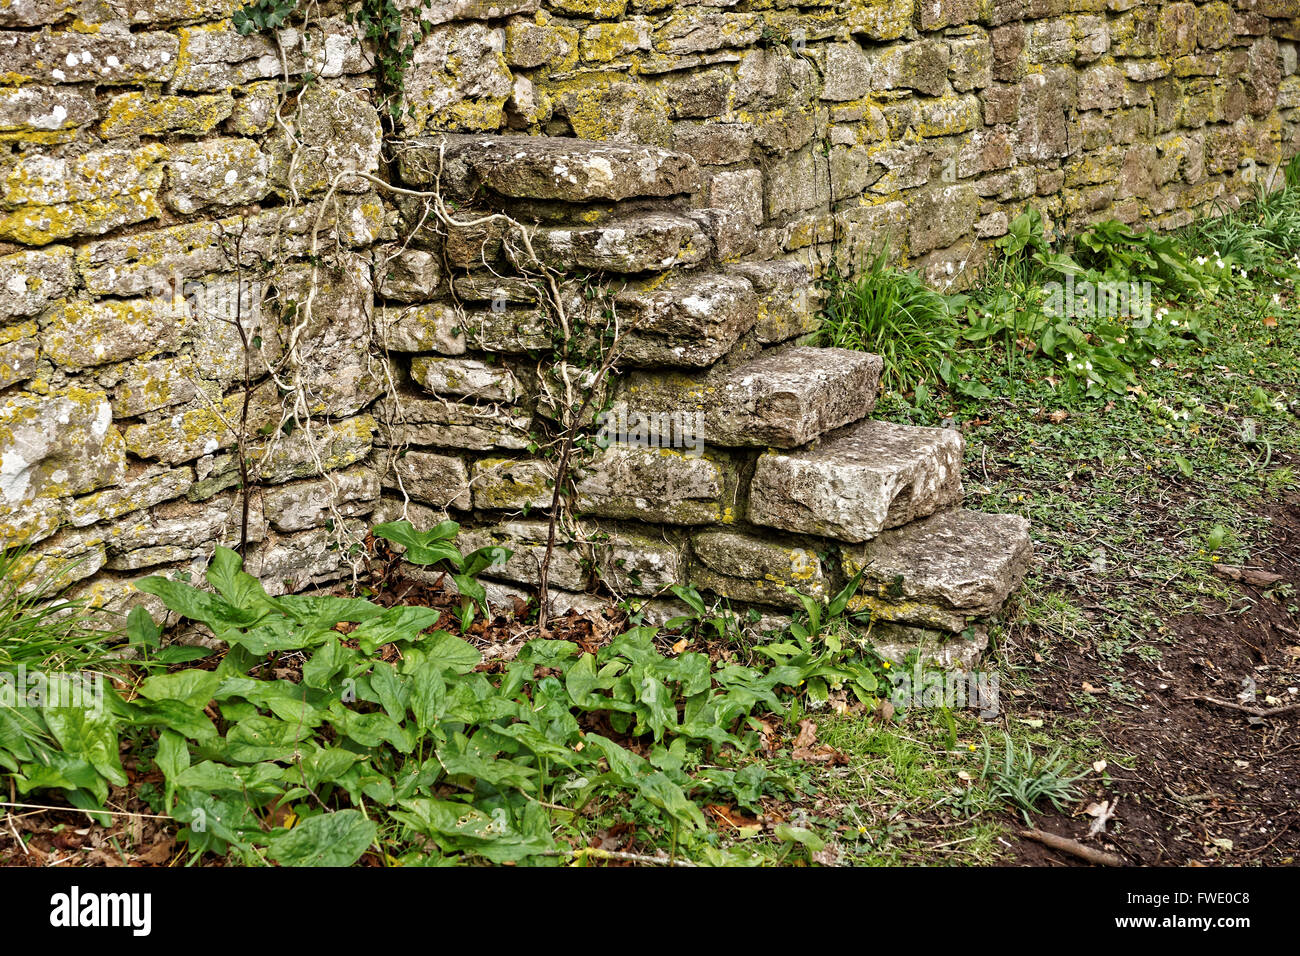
(1023, 780)
(894, 314)
(38, 629)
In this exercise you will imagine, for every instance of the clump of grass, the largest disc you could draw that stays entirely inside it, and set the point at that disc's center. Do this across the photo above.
(1022, 779)
(1256, 235)
(38, 629)
(894, 314)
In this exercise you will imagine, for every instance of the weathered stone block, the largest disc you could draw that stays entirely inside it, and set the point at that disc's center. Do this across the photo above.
(508, 483)
(603, 42)
(438, 480)
(943, 570)
(435, 327)
(937, 14)
(143, 491)
(102, 58)
(970, 62)
(51, 446)
(702, 31)
(690, 320)
(216, 172)
(459, 79)
(571, 562)
(310, 504)
(529, 43)
(745, 568)
(215, 57)
(146, 386)
(31, 280)
(427, 421)
(466, 378)
(336, 133)
(783, 398)
(43, 114)
(663, 485)
(878, 19)
(715, 144)
(859, 481)
(138, 113)
(18, 352)
(553, 167)
(630, 563)
(797, 183)
(56, 197)
(768, 79)
(642, 243)
(406, 275)
(941, 217)
(921, 65)
(787, 299)
(847, 72)
(82, 334)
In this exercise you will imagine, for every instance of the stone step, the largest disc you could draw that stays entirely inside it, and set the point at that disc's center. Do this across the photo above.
(549, 167)
(858, 481)
(645, 242)
(783, 398)
(943, 571)
(692, 319)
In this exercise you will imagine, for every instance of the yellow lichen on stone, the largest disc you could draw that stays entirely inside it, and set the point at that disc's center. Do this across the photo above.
(144, 114)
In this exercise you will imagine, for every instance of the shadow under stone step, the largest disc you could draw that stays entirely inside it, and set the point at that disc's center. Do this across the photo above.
(783, 398)
(942, 571)
(859, 481)
(549, 167)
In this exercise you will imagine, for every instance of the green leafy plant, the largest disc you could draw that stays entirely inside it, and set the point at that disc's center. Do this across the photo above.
(434, 547)
(385, 735)
(259, 15)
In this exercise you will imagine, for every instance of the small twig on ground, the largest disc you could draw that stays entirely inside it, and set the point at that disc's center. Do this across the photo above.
(1247, 709)
(590, 852)
(1073, 847)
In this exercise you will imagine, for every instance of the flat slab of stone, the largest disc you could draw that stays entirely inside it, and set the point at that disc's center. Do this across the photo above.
(686, 320)
(651, 242)
(859, 481)
(943, 570)
(784, 398)
(555, 167)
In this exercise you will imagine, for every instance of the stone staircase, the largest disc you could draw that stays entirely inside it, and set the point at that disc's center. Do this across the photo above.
(744, 463)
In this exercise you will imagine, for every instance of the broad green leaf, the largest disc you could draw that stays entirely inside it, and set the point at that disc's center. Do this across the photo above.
(240, 589)
(423, 547)
(89, 734)
(395, 624)
(192, 687)
(256, 739)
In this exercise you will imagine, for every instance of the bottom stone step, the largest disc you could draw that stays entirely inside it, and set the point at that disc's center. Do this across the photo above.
(858, 481)
(942, 571)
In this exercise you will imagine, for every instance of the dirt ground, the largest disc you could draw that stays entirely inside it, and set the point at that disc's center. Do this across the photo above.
(1209, 784)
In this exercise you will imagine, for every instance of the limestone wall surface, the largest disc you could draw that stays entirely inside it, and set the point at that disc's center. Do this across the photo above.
(202, 263)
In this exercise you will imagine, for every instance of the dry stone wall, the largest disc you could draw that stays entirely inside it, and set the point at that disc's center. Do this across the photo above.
(203, 262)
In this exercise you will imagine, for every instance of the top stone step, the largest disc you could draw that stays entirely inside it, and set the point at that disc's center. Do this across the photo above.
(549, 167)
